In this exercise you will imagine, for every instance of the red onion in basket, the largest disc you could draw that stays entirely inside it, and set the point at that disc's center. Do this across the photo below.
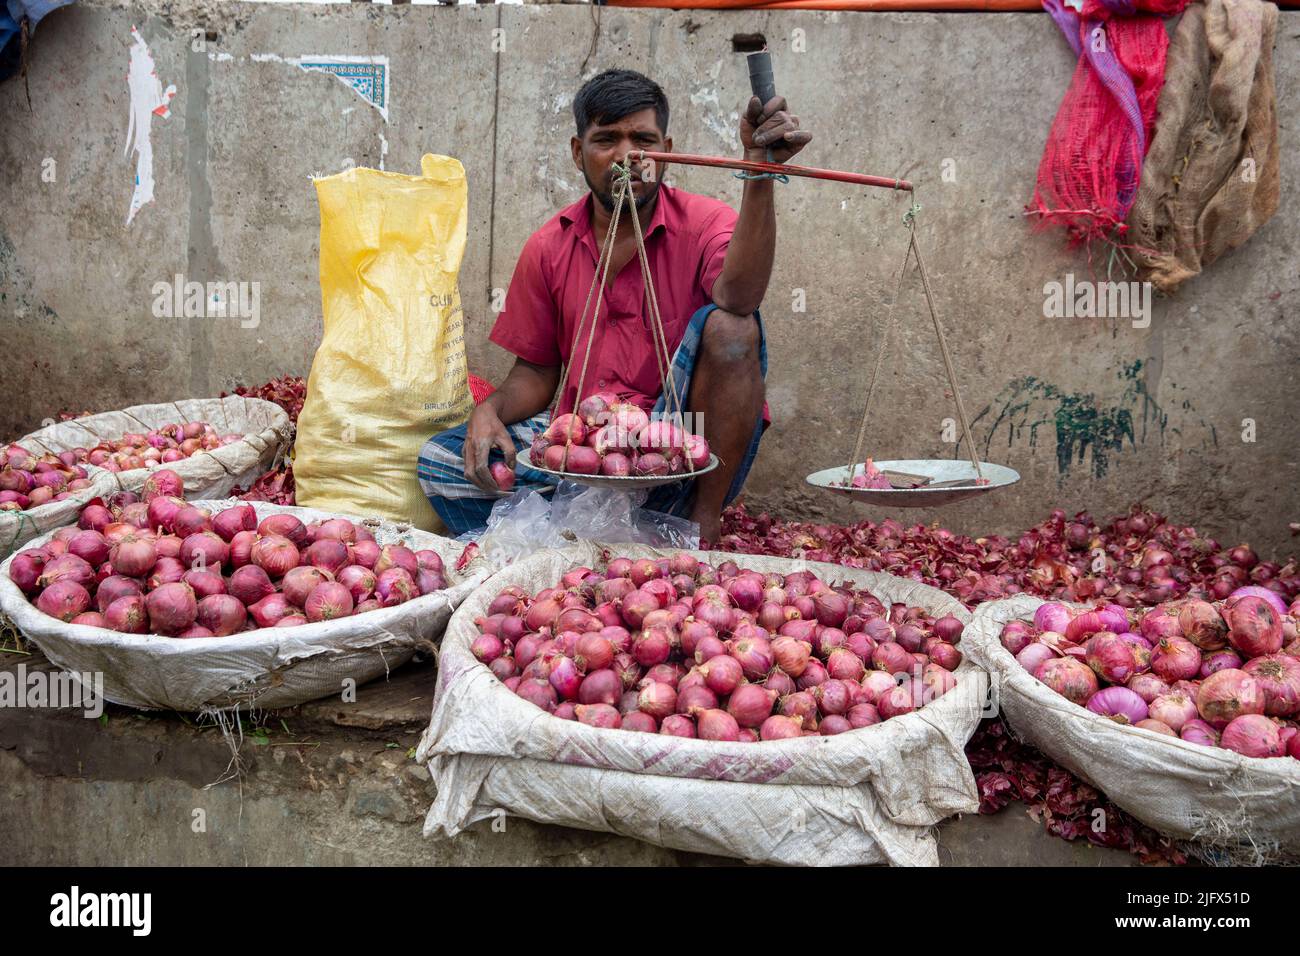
(1197, 731)
(1228, 694)
(1278, 676)
(1252, 735)
(716, 724)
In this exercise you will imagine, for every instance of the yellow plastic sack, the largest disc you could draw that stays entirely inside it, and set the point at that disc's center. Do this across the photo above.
(390, 369)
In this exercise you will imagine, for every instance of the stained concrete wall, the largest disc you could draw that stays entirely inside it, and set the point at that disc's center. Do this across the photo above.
(894, 94)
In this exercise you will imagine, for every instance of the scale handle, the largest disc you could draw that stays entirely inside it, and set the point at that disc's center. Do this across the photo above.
(761, 79)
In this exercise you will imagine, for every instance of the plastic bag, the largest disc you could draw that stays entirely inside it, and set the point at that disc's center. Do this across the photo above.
(390, 369)
(526, 522)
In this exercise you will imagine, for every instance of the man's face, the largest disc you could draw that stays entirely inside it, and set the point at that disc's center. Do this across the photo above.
(605, 144)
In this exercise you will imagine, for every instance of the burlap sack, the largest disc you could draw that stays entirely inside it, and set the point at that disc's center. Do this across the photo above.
(1210, 178)
(266, 668)
(867, 796)
(1237, 809)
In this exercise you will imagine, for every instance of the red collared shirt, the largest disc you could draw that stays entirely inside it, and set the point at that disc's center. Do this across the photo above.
(686, 242)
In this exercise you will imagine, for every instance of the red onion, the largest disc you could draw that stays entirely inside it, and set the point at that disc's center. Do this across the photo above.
(1279, 677)
(171, 607)
(949, 628)
(134, 556)
(831, 608)
(26, 568)
(1252, 735)
(603, 716)
(1156, 726)
(755, 656)
(652, 646)
(1228, 694)
(361, 582)
(541, 694)
(627, 669)
(231, 521)
(268, 611)
(834, 724)
(875, 683)
(1111, 658)
(90, 619)
(1254, 627)
(1197, 731)
(1147, 686)
(891, 658)
(746, 591)
(658, 700)
(600, 687)
(165, 571)
(204, 549)
(275, 554)
(1175, 658)
(937, 680)
(1084, 625)
(716, 724)
(250, 584)
(677, 725)
(640, 721)
(1070, 678)
(813, 676)
(1201, 623)
(564, 677)
(114, 587)
(833, 696)
(1051, 616)
(1252, 590)
(394, 586)
(791, 655)
(190, 520)
(90, 546)
(241, 548)
(1174, 709)
(68, 567)
(221, 614)
(501, 667)
(128, 614)
(778, 727)
(326, 553)
(205, 583)
(896, 702)
(327, 601)
(722, 674)
(365, 553)
(163, 482)
(843, 664)
(1218, 661)
(1159, 624)
(64, 599)
(862, 715)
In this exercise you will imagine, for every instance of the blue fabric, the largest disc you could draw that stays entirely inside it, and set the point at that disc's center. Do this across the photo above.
(33, 10)
(464, 507)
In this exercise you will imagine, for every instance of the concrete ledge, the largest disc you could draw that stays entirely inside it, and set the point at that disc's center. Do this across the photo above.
(327, 783)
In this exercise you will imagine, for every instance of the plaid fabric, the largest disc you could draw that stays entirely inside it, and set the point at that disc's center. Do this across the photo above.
(464, 507)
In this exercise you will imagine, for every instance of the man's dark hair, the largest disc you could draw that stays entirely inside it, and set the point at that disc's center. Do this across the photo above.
(608, 97)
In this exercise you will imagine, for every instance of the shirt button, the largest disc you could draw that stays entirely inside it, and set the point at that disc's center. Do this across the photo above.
(602, 383)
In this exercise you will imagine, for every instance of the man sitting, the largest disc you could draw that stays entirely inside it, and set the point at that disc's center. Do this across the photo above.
(710, 267)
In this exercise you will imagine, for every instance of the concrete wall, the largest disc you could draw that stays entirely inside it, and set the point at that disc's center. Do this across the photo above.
(893, 94)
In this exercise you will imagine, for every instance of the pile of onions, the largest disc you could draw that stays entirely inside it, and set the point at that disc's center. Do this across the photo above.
(1138, 559)
(168, 443)
(679, 647)
(159, 565)
(607, 436)
(28, 480)
(1220, 674)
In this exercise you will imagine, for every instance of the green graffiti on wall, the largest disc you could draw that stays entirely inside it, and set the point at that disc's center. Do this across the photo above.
(1083, 425)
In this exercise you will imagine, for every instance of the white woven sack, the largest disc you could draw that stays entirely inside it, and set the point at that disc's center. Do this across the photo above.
(19, 527)
(266, 668)
(1247, 807)
(208, 474)
(866, 796)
